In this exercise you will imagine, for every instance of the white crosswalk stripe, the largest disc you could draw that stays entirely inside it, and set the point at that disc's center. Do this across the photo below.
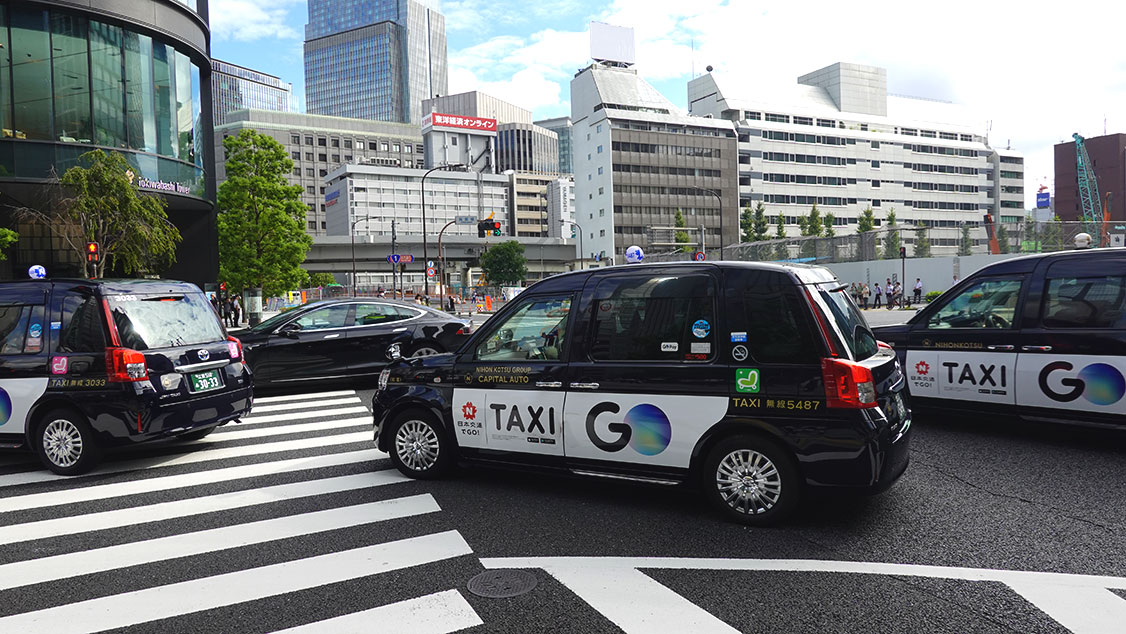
(159, 533)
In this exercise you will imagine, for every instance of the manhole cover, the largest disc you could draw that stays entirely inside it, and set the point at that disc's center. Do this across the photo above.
(502, 584)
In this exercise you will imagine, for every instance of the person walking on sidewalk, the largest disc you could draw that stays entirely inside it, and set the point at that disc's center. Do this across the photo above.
(918, 290)
(879, 296)
(865, 293)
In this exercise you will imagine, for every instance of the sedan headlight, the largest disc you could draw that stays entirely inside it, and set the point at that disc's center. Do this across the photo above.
(384, 376)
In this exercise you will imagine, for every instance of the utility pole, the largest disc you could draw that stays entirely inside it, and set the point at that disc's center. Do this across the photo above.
(394, 272)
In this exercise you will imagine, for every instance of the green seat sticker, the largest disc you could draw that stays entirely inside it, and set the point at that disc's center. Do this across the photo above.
(747, 380)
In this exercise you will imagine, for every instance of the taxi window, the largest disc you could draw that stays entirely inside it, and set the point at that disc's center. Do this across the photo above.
(150, 322)
(988, 303)
(21, 329)
(537, 330)
(328, 317)
(375, 314)
(1086, 302)
(654, 318)
(81, 329)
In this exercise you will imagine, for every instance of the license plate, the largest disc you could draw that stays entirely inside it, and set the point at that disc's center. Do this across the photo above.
(205, 381)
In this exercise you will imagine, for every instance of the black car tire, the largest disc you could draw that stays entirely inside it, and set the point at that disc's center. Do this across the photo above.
(751, 480)
(199, 433)
(423, 346)
(65, 443)
(419, 447)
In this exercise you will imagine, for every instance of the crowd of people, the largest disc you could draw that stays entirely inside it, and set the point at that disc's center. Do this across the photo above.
(890, 295)
(229, 309)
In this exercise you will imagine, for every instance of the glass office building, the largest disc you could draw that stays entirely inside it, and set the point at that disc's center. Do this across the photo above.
(238, 88)
(75, 80)
(374, 59)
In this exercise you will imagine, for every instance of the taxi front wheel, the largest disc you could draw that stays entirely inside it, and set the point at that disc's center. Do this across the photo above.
(419, 447)
(752, 480)
(65, 443)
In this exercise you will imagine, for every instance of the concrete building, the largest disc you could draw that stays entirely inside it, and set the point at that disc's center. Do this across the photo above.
(528, 208)
(318, 144)
(1108, 156)
(1007, 184)
(561, 208)
(527, 148)
(235, 87)
(132, 77)
(478, 104)
(638, 160)
(838, 139)
(456, 140)
(374, 60)
(373, 202)
(562, 127)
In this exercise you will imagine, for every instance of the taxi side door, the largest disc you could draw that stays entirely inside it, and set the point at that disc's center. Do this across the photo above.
(23, 358)
(1072, 360)
(508, 395)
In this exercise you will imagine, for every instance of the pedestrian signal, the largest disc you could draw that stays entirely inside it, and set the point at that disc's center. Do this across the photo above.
(93, 252)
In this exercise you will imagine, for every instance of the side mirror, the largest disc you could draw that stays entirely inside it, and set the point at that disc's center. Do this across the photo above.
(394, 352)
(290, 330)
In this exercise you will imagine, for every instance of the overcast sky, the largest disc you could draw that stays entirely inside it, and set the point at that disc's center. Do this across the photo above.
(1036, 71)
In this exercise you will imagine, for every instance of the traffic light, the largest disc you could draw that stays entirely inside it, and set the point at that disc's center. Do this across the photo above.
(496, 228)
(903, 252)
(93, 252)
(488, 228)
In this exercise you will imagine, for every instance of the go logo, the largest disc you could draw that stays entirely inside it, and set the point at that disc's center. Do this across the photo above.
(1099, 383)
(645, 428)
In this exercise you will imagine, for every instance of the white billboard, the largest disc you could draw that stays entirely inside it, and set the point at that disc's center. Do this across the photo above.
(609, 43)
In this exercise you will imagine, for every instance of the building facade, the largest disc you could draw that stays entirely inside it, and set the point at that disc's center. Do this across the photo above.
(1007, 185)
(527, 148)
(561, 208)
(837, 139)
(374, 59)
(528, 207)
(129, 77)
(234, 87)
(377, 203)
(1108, 157)
(561, 126)
(478, 104)
(319, 144)
(638, 161)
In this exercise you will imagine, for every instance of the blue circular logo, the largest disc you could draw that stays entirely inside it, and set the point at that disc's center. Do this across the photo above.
(651, 429)
(5, 406)
(1105, 385)
(37, 272)
(701, 328)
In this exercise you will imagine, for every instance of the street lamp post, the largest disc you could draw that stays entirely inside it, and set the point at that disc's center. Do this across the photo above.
(720, 201)
(442, 271)
(352, 234)
(425, 254)
(582, 254)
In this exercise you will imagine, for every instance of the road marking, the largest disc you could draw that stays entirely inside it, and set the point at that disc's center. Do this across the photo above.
(1081, 603)
(300, 397)
(183, 480)
(199, 455)
(89, 522)
(439, 613)
(240, 432)
(325, 413)
(285, 407)
(162, 602)
(43, 569)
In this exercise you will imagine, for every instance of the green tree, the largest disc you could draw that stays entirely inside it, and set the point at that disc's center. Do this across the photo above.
(866, 240)
(891, 238)
(505, 263)
(262, 239)
(760, 229)
(1003, 238)
(810, 226)
(7, 239)
(1052, 235)
(830, 232)
(746, 224)
(866, 222)
(99, 202)
(781, 252)
(318, 279)
(966, 247)
(682, 237)
(922, 242)
(1030, 241)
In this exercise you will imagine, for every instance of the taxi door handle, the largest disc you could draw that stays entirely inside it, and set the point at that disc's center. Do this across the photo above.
(585, 386)
(1004, 348)
(1036, 348)
(331, 336)
(549, 384)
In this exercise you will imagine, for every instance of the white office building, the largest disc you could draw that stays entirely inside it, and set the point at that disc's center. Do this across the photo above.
(561, 208)
(838, 139)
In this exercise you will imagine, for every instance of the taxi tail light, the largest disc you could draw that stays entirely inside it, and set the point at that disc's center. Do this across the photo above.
(883, 345)
(234, 348)
(125, 366)
(848, 384)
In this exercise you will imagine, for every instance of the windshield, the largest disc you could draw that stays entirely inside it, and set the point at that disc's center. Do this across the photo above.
(146, 322)
(858, 336)
(270, 323)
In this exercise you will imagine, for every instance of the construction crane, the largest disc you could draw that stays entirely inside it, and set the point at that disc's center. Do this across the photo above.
(1088, 190)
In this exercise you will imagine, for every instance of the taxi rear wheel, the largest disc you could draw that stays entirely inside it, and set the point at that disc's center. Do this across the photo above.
(65, 443)
(751, 480)
(419, 447)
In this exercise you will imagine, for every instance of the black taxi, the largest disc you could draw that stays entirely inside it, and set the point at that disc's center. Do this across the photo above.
(1040, 337)
(86, 364)
(753, 380)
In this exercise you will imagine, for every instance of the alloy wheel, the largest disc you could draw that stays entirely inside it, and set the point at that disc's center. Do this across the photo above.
(748, 481)
(62, 442)
(416, 445)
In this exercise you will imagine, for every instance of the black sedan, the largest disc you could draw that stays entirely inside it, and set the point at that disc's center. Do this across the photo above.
(345, 338)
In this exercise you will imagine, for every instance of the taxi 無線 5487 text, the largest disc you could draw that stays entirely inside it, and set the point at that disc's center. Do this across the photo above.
(754, 381)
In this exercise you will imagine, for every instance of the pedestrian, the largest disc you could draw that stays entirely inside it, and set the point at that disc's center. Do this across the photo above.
(450, 303)
(865, 293)
(238, 310)
(879, 296)
(918, 290)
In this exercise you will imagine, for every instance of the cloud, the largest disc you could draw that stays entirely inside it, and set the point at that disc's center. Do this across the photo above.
(249, 20)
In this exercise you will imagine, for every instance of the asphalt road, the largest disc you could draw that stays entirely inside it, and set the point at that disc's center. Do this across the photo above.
(291, 518)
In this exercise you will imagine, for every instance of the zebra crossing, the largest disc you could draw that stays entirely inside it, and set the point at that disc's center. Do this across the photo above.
(288, 521)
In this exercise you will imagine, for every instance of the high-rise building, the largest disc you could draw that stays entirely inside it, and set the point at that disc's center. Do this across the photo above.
(134, 77)
(478, 104)
(1108, 157)
(561, 126)
(527, 148)
(235, 87)
(374, 59)
(561, 208)
(838, 139)
(639, 162)
(319, 144)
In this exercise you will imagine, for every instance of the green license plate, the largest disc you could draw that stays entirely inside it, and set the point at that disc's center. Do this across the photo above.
(205, 381)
